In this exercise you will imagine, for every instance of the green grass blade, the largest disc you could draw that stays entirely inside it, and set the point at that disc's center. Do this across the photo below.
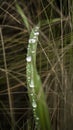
(36, 94)
(25, 20)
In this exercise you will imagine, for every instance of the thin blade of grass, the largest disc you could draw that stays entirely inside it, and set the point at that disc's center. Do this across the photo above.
(25, 20)
(36, 94)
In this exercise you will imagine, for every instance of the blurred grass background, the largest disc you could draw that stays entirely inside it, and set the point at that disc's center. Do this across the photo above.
(54, 62)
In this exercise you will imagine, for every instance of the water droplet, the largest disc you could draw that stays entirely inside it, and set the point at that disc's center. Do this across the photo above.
(28, 48)
(33, 110)
(33, 51)
(35, 37)
(34, 105)
(28, 77)
(28, 59)
(37, 27)
(31, 94)
(36, 33)
(37, 118)
(32, 84)
(32, 40)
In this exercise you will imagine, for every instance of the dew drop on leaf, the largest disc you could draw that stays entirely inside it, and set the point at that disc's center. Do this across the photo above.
(32, 40)
(37, 118)
(32, 84)
(31, 94)
(33, 51)
(37, 27)
(34, 105)
(36, 33)
(28, 59)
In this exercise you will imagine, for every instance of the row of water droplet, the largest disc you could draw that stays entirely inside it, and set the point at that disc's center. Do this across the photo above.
(32, 41)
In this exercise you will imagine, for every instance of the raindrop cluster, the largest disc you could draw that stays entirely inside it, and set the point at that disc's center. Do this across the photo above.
(31, 51)
(34, 39)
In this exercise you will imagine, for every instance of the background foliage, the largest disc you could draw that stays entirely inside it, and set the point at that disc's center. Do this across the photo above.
(54, 61)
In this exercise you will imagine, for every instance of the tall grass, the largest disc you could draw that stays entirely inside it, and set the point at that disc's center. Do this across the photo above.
(35, 90)
(36, 94)
(53, 58)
